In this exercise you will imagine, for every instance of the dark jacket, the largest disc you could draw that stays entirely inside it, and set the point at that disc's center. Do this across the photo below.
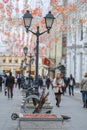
(72, 80)
(48, 81)
(1, 80)
(10, 81)
(40, 82)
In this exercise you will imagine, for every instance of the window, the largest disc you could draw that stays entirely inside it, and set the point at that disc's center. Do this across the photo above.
(10, 59)
(4, 58)
(16, 60)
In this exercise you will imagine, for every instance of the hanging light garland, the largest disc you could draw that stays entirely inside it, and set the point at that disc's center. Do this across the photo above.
(5, 1)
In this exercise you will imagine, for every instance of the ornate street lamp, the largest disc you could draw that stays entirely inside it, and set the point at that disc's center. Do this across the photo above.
(25, 49)
(49, 19)
(27, 20)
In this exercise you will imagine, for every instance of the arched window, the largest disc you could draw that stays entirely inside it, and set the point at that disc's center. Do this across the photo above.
(10, 59)
(4, 58)
(16, 60)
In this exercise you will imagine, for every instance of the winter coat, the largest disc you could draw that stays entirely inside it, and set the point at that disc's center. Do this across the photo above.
(58, 84)
(48, 81)
(10, 81)
(73, 81)
(1, 80)
(84, 85)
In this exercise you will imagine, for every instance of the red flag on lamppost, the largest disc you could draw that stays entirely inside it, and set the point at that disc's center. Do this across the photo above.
(45, 61)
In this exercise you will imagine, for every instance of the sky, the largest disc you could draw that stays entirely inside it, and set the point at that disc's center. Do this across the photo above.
(32, 4)
(44, 5)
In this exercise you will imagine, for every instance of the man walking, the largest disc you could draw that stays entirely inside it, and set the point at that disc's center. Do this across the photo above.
(48, 82)
(19, 80)
(9, 83)
(71, 83)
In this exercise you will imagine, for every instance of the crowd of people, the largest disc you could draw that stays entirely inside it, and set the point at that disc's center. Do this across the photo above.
(58, 84)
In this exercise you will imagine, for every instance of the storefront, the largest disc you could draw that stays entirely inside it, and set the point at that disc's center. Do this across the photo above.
(6, 69)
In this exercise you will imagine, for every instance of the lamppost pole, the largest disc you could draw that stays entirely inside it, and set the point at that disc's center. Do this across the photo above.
(25, 49)
(37, 55)
(49, 19)
(30, 66)
(37, 34)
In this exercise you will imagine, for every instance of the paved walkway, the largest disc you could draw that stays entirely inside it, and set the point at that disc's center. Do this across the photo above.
(70, 105)
(7, 107)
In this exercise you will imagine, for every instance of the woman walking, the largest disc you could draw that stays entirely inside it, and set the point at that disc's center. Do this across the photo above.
(58, 83)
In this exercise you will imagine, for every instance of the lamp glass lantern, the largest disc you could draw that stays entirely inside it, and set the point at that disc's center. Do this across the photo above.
(25, 49)
(27, 19)
(49, 19)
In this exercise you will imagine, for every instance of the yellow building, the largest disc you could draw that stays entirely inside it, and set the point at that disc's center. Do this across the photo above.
(9, 63)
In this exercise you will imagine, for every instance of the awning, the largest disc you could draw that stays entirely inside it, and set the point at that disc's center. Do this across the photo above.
(32, 70)
(18, 69)
(6, 69)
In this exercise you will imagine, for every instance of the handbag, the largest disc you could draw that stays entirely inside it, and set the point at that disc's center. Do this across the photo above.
(60, 91)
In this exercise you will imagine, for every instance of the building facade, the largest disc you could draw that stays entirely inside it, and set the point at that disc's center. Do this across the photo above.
(76, 56)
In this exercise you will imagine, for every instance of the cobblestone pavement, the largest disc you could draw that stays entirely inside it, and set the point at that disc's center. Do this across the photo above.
(70, 106)
(7, 107)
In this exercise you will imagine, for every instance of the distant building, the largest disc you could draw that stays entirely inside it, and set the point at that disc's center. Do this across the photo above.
(76, 56)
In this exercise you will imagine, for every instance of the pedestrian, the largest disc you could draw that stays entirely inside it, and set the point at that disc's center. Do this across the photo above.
(30, 79)
(65, 85)
(58, 83)
(48, 82)
(1, 80)
(71, 84)
(19, 80)
(15, 84)
(84, 91)
(51, 82)
(40, 82)
(44, 82)
(10, 84)
(5, 88)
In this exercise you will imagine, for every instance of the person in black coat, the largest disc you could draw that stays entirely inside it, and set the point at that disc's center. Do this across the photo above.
(48, 82)
(40, 82)
(71, 83)
(10, 83)
(1, 80)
